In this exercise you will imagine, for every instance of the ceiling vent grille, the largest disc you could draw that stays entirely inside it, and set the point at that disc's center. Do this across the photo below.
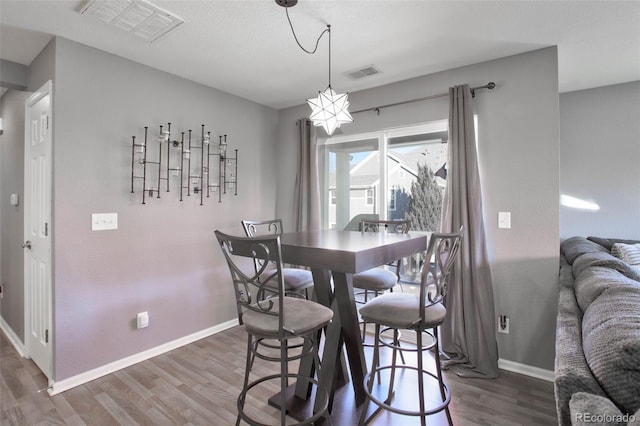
(138, 17)
(362, 72)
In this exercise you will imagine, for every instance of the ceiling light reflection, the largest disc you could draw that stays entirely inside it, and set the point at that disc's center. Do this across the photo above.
(578, 203)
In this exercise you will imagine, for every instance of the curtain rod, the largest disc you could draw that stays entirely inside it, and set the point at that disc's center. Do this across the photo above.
(491, 85)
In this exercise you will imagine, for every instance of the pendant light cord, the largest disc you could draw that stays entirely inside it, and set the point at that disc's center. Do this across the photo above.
(311, 52)
(329, 30)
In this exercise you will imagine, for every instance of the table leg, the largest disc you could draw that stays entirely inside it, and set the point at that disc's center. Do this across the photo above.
(323, 295)
(343, 331)
(350, 332)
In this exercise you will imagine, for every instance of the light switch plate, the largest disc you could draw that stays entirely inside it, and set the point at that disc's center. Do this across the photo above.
(104, 221)
(504, 220)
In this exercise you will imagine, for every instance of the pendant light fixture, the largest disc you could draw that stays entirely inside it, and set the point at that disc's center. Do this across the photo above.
(329, 109)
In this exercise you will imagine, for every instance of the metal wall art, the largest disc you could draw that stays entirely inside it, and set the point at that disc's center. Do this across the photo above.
(192, 165)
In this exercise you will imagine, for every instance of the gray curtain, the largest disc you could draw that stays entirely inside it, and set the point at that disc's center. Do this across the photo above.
(468, 332)
(306, 203)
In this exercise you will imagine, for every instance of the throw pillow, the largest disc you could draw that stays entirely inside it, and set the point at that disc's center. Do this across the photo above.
(629, 253)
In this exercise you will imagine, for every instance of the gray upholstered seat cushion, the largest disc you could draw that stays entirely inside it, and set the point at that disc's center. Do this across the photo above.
(611, 344)
(301, 317)
(376, 279)
(401, 310)
(294, 279)
(297, 279)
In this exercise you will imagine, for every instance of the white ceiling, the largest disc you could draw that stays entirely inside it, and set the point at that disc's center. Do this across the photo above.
(245, 47)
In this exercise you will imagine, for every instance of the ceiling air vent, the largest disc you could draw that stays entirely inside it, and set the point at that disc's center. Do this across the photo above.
(362, 72)
(135, 16)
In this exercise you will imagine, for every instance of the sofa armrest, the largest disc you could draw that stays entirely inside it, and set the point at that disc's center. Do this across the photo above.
(572, 374)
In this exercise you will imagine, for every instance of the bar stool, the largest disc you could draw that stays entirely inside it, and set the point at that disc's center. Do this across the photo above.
(297, 282)
(268, 314)
(377, 281)
(422, 314)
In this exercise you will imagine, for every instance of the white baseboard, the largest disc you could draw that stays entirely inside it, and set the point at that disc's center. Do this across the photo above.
(503, 364)
(13, 338)
(527, 370)
(71, 382)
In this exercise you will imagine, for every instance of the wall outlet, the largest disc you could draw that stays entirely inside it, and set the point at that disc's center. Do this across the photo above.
(143, 320)
(1, 291)
(503, 324)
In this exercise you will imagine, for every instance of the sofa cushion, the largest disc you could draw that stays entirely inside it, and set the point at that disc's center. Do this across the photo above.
(605, 260)
(566, 274)
(611, 344)
(595, 410)
(609, 242)
(591, 282)
(589, 409)
(577, 246)
(572, 373)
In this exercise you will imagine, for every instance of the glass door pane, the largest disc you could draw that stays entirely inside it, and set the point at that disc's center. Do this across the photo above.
(350, 182)
(415, 179)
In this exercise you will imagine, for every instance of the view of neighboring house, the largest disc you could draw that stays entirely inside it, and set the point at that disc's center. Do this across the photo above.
(364, 183)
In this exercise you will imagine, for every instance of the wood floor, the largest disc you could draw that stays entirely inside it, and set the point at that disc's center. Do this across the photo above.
(198, 385)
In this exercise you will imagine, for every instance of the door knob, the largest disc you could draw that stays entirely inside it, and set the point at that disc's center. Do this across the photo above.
(27, 244)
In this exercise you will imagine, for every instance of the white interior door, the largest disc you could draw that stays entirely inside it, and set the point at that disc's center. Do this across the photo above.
(37, 229)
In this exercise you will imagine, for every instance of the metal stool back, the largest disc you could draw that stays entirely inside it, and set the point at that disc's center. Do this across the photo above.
(422, 313)
(297, 282)
(268, 314)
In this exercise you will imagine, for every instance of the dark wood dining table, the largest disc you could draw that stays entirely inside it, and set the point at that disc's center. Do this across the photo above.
(338, 255)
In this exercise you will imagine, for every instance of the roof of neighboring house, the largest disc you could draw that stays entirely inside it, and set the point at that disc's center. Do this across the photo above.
(364, 174)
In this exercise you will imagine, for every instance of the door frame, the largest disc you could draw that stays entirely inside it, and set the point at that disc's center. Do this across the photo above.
(45, 90)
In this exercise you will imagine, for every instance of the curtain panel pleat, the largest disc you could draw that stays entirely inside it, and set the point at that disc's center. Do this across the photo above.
(468, 335)
(307, 187)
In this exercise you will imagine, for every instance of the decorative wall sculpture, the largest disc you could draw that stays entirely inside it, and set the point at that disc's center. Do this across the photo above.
(192, 165)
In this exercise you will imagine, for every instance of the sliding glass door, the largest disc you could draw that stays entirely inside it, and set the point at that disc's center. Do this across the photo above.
(392, 175)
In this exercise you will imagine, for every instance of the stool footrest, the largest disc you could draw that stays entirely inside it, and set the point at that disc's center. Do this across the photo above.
(386, 404)
(320, 411)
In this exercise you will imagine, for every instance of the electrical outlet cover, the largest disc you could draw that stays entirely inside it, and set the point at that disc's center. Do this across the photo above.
(143, 320)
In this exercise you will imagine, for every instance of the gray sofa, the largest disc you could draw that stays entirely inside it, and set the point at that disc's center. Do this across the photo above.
(597, 365)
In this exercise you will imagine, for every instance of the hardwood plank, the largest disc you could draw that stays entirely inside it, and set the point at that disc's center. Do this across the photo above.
(198, 385)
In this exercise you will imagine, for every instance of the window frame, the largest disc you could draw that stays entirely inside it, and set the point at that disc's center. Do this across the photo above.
(369, 196)
(383, 137)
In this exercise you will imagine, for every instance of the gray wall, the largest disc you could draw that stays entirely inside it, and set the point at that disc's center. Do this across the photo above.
(13, 75)
(518, 151)
(600, 160)
(11, 217)
(163, 258)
